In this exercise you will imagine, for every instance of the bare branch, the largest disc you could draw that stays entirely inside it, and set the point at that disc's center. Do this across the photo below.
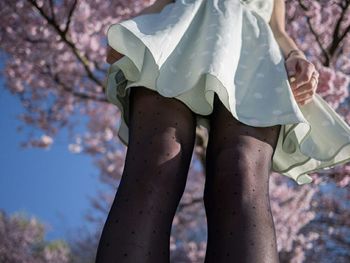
(345, 10)
(33, 41)
(54, 76)
(337, 37)
(324, 50)
(70, 14)
(79, 95)
(66, 40)
(192, 202)
(52, 10)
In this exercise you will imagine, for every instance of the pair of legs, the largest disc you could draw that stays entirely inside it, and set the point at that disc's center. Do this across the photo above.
(161, 141)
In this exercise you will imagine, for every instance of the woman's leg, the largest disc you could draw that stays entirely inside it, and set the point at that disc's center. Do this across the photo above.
(161, 141)
(236, 193)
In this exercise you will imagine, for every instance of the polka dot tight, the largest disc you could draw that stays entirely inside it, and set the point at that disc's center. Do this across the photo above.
(161, 141)
(236, 199)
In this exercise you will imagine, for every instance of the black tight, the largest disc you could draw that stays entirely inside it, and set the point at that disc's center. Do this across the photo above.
(236, 193)
(161, 141)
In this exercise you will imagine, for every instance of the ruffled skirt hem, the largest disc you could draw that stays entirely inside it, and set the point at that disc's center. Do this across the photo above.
(312, 137)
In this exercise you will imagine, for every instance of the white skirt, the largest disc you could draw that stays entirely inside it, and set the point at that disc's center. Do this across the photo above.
(192, 49)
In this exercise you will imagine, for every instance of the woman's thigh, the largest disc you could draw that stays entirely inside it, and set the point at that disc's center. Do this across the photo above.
(231, 140)
(160, 123)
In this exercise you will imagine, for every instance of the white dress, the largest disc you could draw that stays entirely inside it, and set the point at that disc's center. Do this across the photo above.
(193, 48)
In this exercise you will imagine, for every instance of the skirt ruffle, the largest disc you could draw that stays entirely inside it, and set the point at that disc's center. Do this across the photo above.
(193, 49)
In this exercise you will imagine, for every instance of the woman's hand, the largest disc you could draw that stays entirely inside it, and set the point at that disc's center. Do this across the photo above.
(303, 77)
(112, 55)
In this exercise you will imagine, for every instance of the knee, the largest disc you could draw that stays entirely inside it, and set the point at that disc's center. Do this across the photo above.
(242, 159)
(234, 159)
(240, 173)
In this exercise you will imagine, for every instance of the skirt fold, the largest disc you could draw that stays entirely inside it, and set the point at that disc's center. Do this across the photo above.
(193, 49)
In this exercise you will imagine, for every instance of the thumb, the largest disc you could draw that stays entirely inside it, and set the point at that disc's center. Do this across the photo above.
(291, 68)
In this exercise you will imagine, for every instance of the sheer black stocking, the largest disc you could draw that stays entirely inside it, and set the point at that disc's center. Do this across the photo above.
(161, 141)
(236, 194)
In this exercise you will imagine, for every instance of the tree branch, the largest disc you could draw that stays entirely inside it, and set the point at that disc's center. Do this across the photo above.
(337, 37)
(345, 10)
(66, 39)
(193, 201)
(324, 51)
(65, 87)
(52, 11)
(70, 14)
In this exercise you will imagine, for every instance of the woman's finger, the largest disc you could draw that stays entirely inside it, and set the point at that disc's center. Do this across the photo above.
(304, 102)
(304, 96)
(311, 86)
(306, 71)
(315, 81)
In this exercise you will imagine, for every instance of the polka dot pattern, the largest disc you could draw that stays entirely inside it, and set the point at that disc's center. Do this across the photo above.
(236, 195)
(205, 52)
(153, 180)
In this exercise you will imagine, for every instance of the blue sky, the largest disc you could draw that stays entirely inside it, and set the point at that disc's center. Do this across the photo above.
(52, 185)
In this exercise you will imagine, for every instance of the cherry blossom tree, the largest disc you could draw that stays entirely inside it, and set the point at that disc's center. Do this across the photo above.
(22, 240)
(55, 65)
